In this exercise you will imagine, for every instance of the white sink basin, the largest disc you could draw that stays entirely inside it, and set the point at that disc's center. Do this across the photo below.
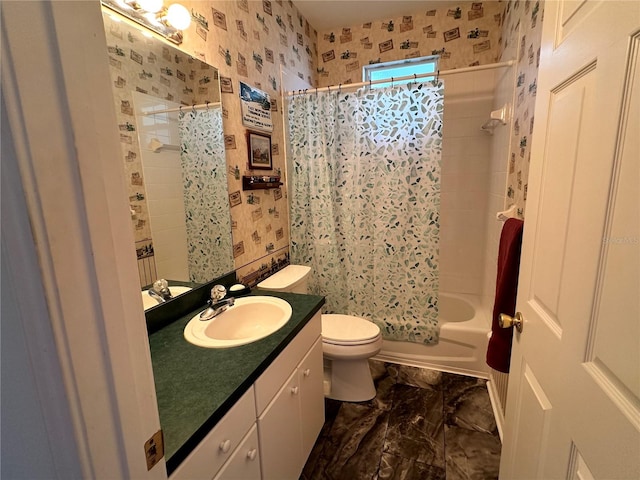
(149, 302)
(248, 320)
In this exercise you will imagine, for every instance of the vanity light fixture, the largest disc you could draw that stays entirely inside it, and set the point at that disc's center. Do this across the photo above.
(178, 16)
(168, 22)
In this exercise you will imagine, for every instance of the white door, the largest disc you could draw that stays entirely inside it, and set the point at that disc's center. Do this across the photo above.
(573, 406)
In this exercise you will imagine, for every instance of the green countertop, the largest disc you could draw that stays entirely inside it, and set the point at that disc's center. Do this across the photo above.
(196, 386)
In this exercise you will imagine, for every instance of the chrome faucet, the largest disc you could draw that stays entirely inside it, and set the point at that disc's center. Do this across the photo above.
(217, 304)
(160, 291)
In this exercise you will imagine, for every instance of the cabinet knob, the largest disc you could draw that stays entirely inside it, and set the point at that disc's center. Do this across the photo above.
(294, 390)
(251, 454)
(225, 446)
(307, 372)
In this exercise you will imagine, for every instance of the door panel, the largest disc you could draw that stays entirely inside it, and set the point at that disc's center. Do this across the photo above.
(621, 258)
(534, 405)
(572, 13)
(573, 406)
(567, 108)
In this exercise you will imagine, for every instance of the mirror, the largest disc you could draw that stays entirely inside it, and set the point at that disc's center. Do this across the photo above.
(174, 156)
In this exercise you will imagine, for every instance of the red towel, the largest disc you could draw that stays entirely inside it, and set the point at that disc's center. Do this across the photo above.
(499, 350)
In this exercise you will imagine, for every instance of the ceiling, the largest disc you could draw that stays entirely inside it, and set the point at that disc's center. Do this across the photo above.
(324, 15)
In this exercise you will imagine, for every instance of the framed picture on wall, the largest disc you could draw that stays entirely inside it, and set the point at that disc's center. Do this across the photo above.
(259, 146)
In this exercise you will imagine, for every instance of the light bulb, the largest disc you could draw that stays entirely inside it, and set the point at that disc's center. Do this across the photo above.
(152, 6)
(178, 16)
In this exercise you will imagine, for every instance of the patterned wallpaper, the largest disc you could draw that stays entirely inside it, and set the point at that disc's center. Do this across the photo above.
(522, 23)
(248, 41)
(463, 35)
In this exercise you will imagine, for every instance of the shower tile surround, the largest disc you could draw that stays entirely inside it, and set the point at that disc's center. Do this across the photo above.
(423, 424)
(465, 181)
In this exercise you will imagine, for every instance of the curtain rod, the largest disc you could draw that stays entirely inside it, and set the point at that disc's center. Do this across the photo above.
(476, 68)
(185, 108)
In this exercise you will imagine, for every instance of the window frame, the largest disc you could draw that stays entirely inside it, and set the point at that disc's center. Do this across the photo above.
(368, 69)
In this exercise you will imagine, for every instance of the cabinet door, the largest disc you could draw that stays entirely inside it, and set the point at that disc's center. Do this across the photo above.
(244, 464)
(279, 433)
(311, 378)
(270, 382)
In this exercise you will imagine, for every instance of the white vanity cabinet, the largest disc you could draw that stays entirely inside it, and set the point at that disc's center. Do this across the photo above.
(290, 418)
(269, 433)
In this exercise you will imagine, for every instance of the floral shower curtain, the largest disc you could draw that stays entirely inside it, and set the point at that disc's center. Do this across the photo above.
(204, 173)
(365, 197)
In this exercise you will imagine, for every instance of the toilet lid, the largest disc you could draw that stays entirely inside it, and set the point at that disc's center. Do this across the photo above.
(347, 329)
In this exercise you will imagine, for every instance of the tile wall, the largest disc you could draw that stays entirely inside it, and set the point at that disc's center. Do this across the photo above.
(465, 181)
(162, 175)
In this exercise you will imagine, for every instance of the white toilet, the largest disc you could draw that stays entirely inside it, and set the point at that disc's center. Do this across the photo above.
(347, 342)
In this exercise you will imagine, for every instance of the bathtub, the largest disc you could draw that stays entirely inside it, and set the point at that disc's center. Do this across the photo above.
(464, 328)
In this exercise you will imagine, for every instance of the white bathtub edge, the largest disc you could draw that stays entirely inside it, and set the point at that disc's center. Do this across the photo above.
(398, 359)
(469, 333)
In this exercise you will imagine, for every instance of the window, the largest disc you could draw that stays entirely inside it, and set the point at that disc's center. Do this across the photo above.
(400, 68)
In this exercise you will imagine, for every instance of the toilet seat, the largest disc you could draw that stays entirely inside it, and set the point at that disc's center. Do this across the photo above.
(348, 330)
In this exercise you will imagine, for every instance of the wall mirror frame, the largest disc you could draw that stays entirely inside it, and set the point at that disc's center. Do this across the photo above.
(170, 125)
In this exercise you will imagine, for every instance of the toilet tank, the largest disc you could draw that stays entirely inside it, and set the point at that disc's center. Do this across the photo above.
(292, 278)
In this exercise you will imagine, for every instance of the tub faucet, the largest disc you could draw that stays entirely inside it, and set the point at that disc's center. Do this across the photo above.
(160, 291)
(217, 304)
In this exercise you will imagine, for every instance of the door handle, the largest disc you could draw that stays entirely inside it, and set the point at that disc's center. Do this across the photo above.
(507, 321)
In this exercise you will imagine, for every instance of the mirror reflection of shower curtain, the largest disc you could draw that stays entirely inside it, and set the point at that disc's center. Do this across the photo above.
(204, 173)
(365, 203)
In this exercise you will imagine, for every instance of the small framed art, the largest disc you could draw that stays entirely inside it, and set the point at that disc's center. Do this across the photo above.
(259, 146)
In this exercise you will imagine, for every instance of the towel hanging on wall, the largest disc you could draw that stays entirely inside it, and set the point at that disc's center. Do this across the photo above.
(499, 349)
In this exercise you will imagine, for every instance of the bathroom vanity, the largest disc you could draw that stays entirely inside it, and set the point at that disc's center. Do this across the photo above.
(252, 411)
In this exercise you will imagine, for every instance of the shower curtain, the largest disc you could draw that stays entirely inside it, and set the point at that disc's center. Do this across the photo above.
(204, 173)
(365, 197)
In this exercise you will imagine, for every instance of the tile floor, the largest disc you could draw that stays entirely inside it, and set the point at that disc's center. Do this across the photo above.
(422, 425)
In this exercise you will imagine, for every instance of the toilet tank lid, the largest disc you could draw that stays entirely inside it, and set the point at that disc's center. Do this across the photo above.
(286, 278)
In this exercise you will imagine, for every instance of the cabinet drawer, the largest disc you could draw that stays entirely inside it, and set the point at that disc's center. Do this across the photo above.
(272, 379)
(219, 444)
(244, 464)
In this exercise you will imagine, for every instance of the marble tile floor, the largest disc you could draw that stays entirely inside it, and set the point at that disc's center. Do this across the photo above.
(422, 425)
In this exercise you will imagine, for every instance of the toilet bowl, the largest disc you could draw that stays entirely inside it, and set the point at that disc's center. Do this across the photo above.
(347, 342)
